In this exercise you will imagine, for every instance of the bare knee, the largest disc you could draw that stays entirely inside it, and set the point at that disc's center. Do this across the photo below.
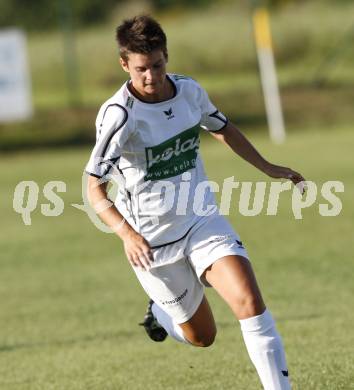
(202, 339)
(200, 330)
(249, 305)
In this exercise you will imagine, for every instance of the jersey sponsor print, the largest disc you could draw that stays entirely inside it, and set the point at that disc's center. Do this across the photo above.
(174, 156)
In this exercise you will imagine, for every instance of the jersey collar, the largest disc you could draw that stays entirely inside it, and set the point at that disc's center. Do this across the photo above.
(162, 101)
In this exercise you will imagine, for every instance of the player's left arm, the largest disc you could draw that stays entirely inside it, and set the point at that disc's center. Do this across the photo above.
(230, 135)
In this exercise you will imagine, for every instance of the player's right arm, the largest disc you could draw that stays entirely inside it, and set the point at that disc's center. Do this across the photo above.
(113, 130)
(136, 248)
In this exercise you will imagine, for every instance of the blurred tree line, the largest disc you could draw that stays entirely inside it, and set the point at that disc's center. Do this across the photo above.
(46, 14)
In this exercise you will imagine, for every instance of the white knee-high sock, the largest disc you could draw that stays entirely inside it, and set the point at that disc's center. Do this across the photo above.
(172, 328)
(266, 351)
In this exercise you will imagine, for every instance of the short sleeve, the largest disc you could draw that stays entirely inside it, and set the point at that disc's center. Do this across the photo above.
(112, 132)
(212, 119)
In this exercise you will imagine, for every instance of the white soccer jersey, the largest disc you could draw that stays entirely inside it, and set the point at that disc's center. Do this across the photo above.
(154, 148)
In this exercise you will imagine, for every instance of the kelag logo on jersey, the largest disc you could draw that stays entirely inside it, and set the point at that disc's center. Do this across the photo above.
(174, 156)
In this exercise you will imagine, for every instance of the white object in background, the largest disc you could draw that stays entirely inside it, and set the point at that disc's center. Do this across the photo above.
(15, 88)
(268, 75)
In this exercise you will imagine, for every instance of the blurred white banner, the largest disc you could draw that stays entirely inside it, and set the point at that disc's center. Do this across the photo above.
(15, 89)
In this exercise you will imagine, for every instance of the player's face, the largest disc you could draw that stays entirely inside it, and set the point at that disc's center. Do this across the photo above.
(148, 74)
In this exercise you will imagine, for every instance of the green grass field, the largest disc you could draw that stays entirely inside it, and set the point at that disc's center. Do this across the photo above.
(70, 303)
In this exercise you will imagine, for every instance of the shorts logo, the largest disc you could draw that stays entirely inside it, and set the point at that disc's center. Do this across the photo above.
(174, 156)
(240, 245)
(177, 299)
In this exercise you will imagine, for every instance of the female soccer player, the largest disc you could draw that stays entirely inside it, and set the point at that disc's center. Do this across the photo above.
(165, 212)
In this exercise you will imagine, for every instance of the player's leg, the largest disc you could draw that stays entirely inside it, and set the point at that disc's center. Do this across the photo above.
(179, 302)
(199, 330)
(233, 278)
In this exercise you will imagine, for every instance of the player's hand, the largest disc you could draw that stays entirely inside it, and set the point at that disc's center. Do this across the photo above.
(138, 250)
(279, 172)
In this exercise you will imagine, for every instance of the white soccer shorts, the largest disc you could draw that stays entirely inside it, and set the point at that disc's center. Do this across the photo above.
(175, 281)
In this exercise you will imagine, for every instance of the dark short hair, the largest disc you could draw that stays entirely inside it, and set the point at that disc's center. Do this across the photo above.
(141, 34)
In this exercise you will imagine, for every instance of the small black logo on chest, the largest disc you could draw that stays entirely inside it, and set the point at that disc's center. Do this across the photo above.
(169, 114)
